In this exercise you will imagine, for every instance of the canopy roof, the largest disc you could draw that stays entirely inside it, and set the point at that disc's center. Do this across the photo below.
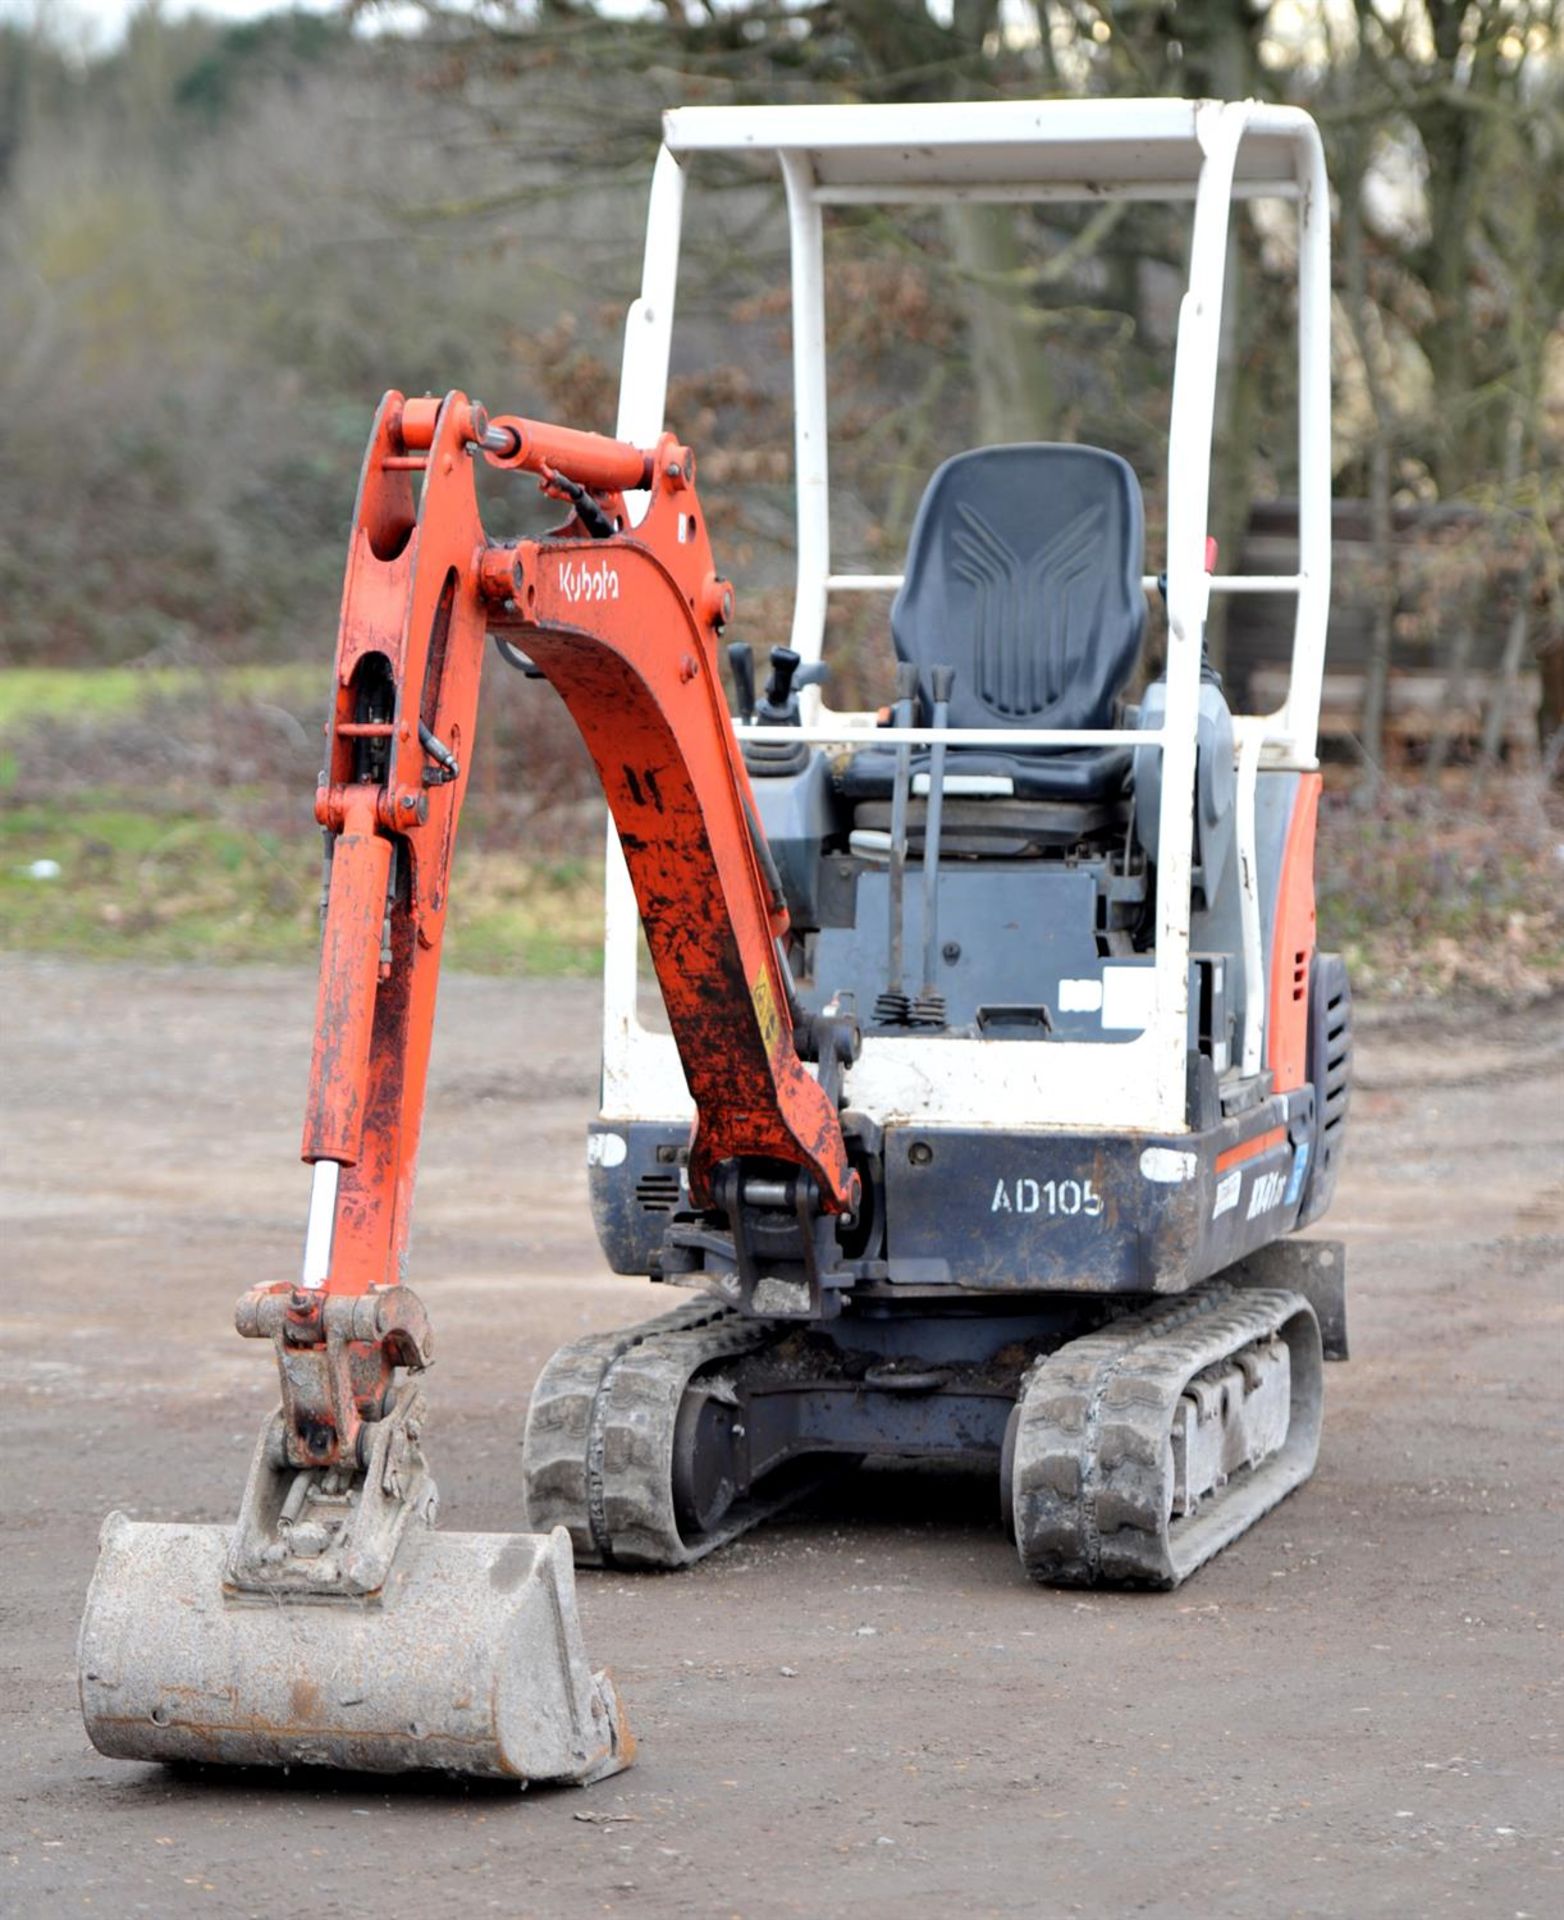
(997, 149)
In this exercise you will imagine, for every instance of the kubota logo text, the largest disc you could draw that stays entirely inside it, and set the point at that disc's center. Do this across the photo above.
(587, 582)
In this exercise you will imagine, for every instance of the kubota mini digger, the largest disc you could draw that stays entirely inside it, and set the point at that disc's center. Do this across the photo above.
(999, 1058)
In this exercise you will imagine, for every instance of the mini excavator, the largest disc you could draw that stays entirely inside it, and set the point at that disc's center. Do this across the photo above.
(1000, 1064)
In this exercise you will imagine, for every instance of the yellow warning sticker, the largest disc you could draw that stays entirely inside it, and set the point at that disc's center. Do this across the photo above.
(765, 1003)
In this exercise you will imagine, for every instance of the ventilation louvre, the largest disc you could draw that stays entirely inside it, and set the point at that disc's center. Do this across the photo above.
(657, 1192)
(1330, 1072)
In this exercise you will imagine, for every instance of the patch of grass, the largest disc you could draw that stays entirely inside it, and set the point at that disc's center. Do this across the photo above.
(510, 915)
(59, 693)
(150, 887)
(138, 886)
(155, 864)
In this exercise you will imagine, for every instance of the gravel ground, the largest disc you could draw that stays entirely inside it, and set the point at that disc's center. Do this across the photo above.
(864, 1709)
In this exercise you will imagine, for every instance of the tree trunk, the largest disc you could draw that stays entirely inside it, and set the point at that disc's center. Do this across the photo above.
(1494, 721)
(1221, 64)
(1551, 727)
(1458, 664)
(1014, 395)
(1451, 129)
(1376, 684)
(1386, 587)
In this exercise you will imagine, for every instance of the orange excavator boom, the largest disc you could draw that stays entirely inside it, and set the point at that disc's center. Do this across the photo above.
(624, 624)
(455, 1650)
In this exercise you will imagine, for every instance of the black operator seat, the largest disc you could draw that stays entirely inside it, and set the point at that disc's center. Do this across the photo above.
(1024, 575)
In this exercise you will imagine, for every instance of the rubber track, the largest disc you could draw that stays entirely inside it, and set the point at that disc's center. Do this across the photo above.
(559, 1421)
(598, 1452)
(1092, 1456)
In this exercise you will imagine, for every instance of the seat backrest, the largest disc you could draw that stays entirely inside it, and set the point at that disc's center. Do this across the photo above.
(1024, 574)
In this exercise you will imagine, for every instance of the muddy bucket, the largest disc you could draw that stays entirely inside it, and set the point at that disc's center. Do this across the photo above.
(470, 1660)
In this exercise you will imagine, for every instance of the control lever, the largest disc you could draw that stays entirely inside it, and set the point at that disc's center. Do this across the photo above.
(892, 1007)
(778, 705)
(928, 1009)
(741, 664)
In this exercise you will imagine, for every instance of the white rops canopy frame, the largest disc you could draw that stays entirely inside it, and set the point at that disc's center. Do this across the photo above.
(1023, 152)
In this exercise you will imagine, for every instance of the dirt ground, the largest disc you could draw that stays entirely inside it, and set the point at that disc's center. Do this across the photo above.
(862, 1710)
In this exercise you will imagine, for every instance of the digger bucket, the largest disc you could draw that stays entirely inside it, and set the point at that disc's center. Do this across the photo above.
(470, 1661)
